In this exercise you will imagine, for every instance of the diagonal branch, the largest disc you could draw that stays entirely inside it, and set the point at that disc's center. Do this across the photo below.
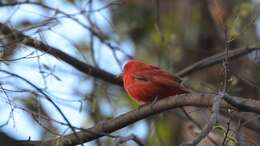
(242, 105)
(108, 126)
(106, 76)
(79, 65)
(213, 120)
(198, 125)
(48, 98)
(215, 59)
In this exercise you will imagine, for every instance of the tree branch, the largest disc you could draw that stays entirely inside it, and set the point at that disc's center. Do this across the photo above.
(49, 99)
(242, 105)
(7, 140)
(108, 126)
(121, 140)
(212, 121)
(79, 65)
(215, 59)
(245, 119)
(106, 76)
(198, 125)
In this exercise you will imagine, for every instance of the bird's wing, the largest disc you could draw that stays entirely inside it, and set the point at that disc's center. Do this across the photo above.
(156, 76)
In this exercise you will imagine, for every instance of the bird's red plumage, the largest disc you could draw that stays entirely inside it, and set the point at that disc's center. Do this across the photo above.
(145, 82)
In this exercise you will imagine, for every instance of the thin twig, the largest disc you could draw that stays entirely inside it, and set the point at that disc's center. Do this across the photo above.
(121, 140)
(81, 66)
(215, 59)
(245, 80)
(239, 104)
(213, 120)
(226, 73)
(106, 76)
(226, 133)
(245, 120)
(225, 64)
(198, 125)
(48, 98)
(93, 30)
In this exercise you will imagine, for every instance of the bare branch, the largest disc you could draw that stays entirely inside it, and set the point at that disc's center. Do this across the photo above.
(198, 125)
(213, 120)
(215, 59)
(108, 126)
(120, 140)
(106, 76)
(226, 134)
(245, 119)
(7, 140)
(241, 105)
(79, 65)
(226, 63)
(48, 98)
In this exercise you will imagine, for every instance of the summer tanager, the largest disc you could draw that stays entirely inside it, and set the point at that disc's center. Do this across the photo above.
(147, 83)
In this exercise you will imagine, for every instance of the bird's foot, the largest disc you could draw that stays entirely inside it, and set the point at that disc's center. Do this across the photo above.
(154, 102)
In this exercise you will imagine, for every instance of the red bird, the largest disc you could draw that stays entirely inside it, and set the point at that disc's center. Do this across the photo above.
(146, 83)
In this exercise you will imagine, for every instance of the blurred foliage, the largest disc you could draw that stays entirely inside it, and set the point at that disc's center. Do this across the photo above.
(177, 33)
(162, 132)
(239, 20)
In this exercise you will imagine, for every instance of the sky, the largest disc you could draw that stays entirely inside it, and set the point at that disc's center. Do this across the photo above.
(21, 126)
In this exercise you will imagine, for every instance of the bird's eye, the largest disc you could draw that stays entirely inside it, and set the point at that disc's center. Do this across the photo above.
(141, 78)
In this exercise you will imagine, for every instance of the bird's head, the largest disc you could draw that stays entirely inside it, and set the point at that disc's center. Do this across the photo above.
(134, 65)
